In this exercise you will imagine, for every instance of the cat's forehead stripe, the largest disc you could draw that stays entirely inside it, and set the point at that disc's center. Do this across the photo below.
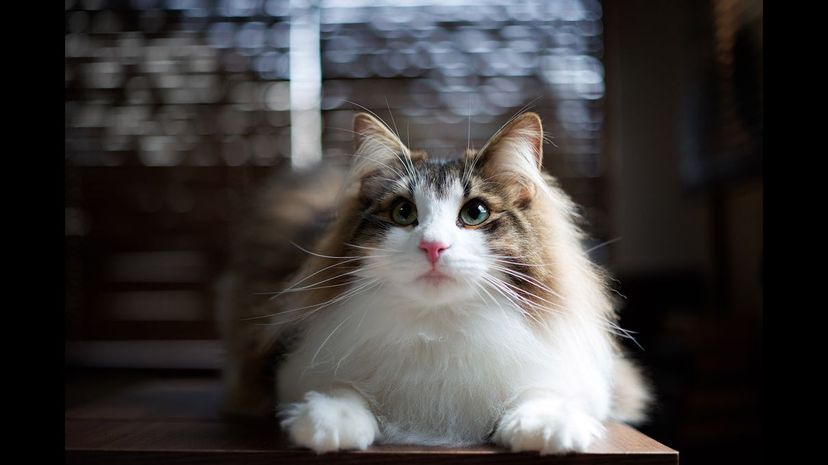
(441, 176)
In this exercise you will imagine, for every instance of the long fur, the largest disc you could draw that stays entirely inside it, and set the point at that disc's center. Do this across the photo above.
(520, 347)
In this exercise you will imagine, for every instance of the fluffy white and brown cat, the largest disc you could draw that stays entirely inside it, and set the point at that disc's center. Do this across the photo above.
(448, 302)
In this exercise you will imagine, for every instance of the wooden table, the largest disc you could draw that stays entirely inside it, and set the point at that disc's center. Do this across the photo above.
(176, 420)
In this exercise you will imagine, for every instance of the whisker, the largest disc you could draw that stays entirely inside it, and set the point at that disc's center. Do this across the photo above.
(377, 141)
(468, 136)
(318, 254)
(371, 248)
(396, 131)
(546, 288)
(528, 279)
(313, 359)
(369, 111)
(495, 301)
(387, 166)
(502, 291)
(603, 244)
(306, 289)
(359, 325)
(341, 297)
(348, 273)
(613, 327)
(292, 286)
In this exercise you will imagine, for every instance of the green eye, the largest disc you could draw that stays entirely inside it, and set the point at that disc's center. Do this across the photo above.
(474, 212)
(403, 212)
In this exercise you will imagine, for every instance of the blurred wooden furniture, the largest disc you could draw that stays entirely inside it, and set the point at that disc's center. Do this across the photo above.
(176, 420)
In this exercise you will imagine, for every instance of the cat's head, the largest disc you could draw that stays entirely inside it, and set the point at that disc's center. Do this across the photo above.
(437, 231)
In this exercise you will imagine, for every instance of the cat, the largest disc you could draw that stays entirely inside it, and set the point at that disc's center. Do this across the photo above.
(448, 302)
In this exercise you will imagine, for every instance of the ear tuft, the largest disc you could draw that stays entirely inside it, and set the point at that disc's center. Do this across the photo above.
(514, 155)
(367, 127)
(522, 138)
(376, 149)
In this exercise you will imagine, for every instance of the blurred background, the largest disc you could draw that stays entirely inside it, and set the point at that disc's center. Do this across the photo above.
(176, 111)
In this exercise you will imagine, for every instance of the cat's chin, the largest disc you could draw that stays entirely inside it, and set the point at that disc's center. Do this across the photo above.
(436, 279)
(436, 290)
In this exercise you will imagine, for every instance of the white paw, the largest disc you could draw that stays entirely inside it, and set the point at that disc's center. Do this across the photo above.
(547, 426)
(325, 423)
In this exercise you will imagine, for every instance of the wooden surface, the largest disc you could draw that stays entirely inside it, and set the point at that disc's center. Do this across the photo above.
(177, 421)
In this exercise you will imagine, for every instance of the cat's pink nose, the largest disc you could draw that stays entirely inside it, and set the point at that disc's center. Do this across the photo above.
(433, 249)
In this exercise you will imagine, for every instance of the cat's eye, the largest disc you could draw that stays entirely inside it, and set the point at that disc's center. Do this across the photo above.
(403, 212)
(474, 212)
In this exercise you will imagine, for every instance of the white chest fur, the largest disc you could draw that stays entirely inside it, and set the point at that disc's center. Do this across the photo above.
(439, 377)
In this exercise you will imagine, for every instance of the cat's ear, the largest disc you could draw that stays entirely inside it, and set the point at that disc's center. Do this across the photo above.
(514, 154)
(369, 130)
(375, 145)
(516, 146)
(377, 152)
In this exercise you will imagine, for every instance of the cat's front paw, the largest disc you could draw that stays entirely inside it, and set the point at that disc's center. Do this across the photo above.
(547, 426)
(328, 423)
